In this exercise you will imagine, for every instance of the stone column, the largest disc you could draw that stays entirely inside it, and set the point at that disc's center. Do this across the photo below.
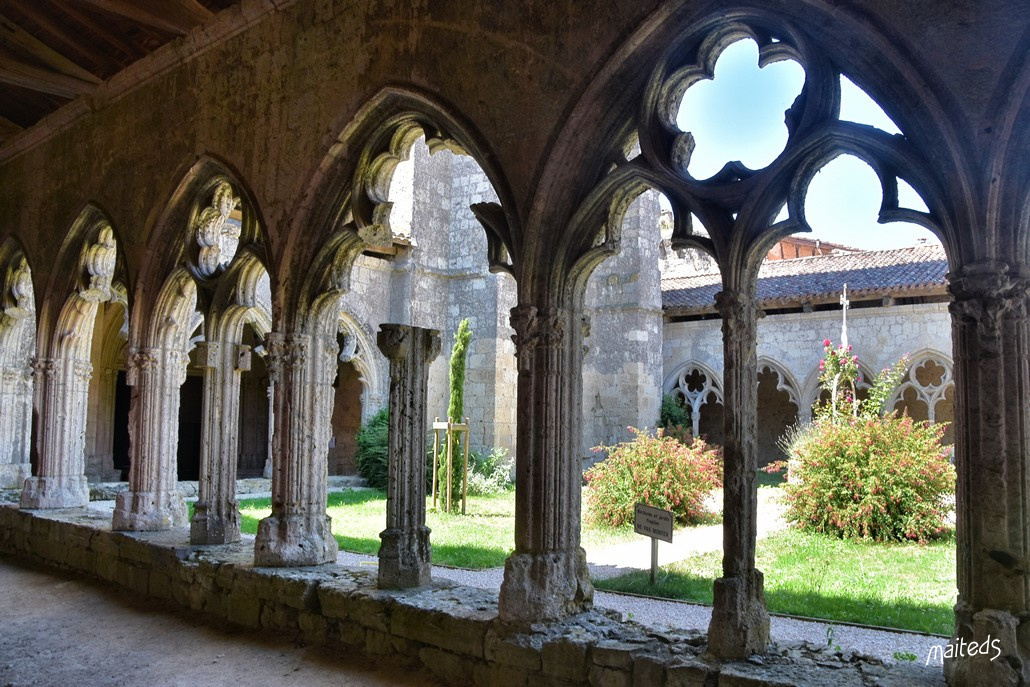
(64, 390)
(992, 457)
(15, 426)
(546, 576)
(216, 516)
(404, 554)
(152, 502)
(740, 621)
(299, 532)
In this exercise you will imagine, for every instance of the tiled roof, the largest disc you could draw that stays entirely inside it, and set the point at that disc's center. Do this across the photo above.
(784, 282)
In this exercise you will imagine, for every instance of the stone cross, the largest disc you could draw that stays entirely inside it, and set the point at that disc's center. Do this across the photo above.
(844, 303)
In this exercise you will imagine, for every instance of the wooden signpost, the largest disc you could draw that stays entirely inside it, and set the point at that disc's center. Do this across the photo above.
(655, 523)
(452, 436)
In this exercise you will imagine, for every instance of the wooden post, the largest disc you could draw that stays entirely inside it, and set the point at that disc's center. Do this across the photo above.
(465, 468)
(436, 445)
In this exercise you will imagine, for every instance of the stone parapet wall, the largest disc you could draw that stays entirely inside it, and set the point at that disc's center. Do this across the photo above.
(451, 630)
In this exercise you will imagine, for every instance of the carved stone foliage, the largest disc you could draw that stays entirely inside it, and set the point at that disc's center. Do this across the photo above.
(99, 260)
(217, 234)
(536, 328)
(985, 294)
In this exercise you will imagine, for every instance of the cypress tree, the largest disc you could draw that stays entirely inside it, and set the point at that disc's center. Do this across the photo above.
(456, 411)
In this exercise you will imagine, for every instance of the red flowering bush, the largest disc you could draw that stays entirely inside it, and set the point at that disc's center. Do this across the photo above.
(881, 478)
(655, 469)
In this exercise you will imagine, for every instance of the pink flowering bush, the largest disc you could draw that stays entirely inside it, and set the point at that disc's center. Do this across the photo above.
(881, 478)
(655, 469)
(855, 472)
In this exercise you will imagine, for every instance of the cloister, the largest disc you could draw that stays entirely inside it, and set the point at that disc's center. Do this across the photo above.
(253, 157)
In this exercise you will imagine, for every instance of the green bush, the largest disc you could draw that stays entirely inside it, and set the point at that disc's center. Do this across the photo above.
(490, 473)
(654, 469)
(880, 478)
(373, 448)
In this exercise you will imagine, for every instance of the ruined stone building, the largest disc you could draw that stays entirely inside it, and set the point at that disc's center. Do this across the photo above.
(203, 223)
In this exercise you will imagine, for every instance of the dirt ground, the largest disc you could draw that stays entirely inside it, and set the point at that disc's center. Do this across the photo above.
(60, 631)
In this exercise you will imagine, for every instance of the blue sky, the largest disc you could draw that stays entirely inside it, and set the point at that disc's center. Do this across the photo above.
(739, 116)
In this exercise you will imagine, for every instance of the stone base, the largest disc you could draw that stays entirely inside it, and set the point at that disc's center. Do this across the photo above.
(295, 540)
(545, 586)
(147, 511)
(208, 527)
(61, 491)
(740, 620)
(404, 558)
(990, 647)
(13, 476)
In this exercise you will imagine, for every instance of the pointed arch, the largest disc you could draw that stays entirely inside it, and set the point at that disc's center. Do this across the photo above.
(346, 208)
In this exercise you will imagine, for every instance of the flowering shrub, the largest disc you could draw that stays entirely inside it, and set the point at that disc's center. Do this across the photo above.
(654, 469)
(882, 478)
(853, 473)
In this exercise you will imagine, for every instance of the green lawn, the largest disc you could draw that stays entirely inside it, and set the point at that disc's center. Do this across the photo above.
(906, 586)
(482, 539)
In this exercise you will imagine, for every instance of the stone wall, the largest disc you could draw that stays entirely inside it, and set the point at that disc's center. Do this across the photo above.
(792, 343)
(451, 630)
(622, 370)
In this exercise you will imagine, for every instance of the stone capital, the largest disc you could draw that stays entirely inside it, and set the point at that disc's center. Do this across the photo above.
(536, 328)
(393, 340)
(986, 294)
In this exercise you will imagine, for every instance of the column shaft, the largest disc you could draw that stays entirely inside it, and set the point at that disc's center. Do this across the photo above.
(404, 556)
(299, 532)
(546, 576)
(216, 516)
(152, 502)
(991, 345)
(740, 621)
(64, 390)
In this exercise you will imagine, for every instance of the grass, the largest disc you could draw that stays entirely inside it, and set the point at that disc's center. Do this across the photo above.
(906, 586)
(482, 539)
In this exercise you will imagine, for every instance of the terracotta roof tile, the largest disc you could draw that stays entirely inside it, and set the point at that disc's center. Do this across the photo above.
(820, 277)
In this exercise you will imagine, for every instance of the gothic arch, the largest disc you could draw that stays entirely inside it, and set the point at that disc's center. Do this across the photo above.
(346, 208)
(787, 382)
(85, 275)
(365, 356)
(184, 233)
(929, 381)
(17, 350)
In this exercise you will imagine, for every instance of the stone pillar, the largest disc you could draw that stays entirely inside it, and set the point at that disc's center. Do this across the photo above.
(546, 576)
(15, 426)
(992, 457)
(298, 532)
(64, 390)
(216, 516)
(740, 621)
(404, 556)
(152, 502)
(267, 472)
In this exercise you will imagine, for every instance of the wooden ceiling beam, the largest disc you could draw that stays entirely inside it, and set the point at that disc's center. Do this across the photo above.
(12, 34)
(97, 28)
(42, 80)
(172, 16)
(8, 128)
(73, 42)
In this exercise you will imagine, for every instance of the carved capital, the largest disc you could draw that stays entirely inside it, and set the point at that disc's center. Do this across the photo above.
(100, 259)
(284, 353)
(985, 295)
(392, 340)
(536, 328)
(43, 369)
(82, 369)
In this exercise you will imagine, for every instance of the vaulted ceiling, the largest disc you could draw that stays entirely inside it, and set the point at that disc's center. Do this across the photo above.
(53, 51)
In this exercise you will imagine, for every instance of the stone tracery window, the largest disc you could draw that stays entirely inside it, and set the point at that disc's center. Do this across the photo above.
(927, 392)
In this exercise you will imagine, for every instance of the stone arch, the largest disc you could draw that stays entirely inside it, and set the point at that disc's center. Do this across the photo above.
(700, 388)
(17, 351)
(88, 267)
(370, 366)
(927, 391)
(779, 404)
(739, 208)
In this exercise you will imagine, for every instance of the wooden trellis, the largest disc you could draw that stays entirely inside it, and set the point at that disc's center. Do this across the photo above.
(451, 429)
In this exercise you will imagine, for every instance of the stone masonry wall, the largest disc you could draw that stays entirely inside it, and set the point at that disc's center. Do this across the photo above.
(622, 370)
(794, 341)
(452, 631)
